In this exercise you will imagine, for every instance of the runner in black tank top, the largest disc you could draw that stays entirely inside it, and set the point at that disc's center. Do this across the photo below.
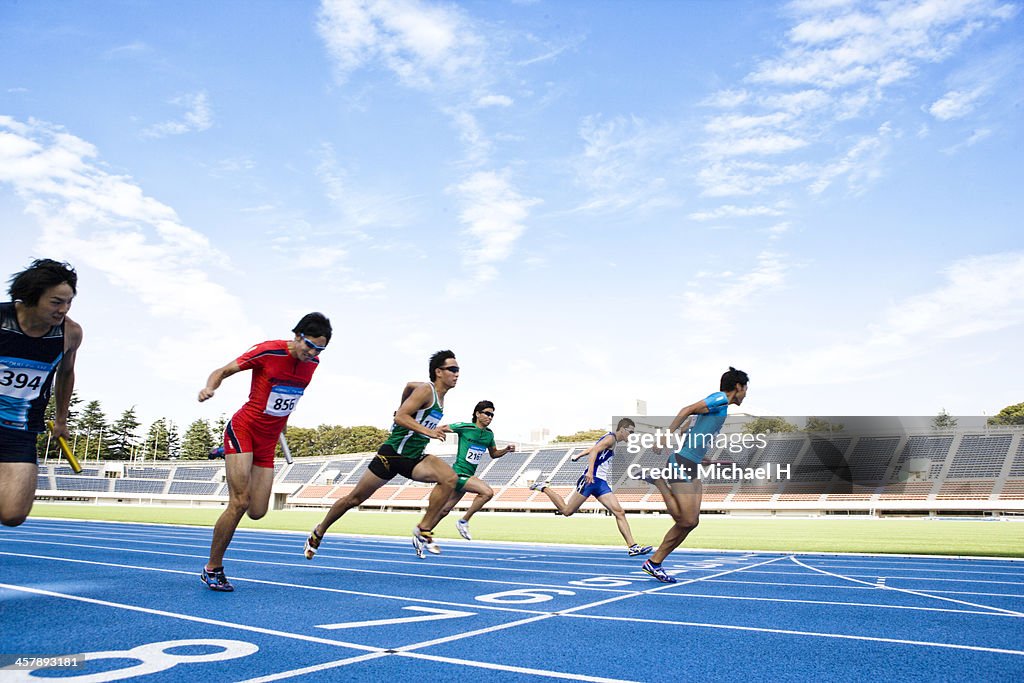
(38, 344)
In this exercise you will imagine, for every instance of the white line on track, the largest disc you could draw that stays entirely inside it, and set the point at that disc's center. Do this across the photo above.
(905, 590)
(829, 586)
(306, 564)
(842, 636)
(326, 567)
(189, 617)
(282, 584)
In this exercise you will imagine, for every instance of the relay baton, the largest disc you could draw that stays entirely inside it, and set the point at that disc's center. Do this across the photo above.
(284, 447)
(72, 460)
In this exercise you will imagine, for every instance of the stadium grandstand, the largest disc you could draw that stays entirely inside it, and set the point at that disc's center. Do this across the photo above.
(978, 471)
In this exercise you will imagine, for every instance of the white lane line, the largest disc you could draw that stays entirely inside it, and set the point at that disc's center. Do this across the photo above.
(858, 588)
(905, 590)
(832, 603)
(306, 565)
(318, 667)
(513, 669)
(346, 553)
(189, 617)
(282, 584)
(789, 632)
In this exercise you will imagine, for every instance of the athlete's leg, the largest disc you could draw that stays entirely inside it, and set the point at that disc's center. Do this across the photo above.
(611, 503)
(483, 492)
(566, 507)
(450, 504)
(365, 487)
(687, 496)
(671, 506)
(237, 467)
(432, 469)
(261, 481)
(17, 491)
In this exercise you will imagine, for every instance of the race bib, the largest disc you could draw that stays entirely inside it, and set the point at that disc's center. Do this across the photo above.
(23, 379)
(475, 453)
(282, 400)
(432, 419)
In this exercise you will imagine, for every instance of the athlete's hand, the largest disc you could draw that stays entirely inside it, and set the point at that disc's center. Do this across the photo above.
(588, 477)
(577, 456)
(510, 448)
(205, 393)
(437, 433)
(60, 428)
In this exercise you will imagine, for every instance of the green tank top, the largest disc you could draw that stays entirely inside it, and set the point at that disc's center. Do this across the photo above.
(474, 442)
(410, 444)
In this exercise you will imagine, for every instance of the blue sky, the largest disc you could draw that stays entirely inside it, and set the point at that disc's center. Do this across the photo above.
(590, 202)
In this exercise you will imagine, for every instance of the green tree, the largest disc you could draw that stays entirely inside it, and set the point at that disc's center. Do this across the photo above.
(158, 440)
(173, 440)
(90, 432)
(944, 421)
(769, 425)
(1010, 415)
(582, 435)
(818, 424)
(333, 440)
(197, 442)
(122, 438)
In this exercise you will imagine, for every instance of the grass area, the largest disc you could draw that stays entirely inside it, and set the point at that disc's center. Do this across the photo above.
(924, 536)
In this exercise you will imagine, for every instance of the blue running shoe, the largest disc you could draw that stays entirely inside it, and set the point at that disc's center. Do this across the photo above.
(215, 579)
(637, 549)
(657, 572)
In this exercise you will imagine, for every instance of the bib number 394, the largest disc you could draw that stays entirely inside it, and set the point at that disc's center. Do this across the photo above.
(282, 400)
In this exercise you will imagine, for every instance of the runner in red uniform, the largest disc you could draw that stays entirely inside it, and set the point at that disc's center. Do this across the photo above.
(281, 370)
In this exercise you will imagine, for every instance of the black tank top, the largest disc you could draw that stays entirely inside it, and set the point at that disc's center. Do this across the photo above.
(27, 367)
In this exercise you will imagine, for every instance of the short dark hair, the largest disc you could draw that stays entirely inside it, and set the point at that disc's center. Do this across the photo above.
(480, 407)
(28, 285)
(314, 325)
(437, 361)
(733, 377)
(624, 422)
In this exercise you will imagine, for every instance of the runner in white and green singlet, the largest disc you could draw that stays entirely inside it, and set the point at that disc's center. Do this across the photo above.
(475, 439)
(417, 421)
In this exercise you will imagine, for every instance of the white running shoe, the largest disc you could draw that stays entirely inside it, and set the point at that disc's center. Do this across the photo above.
(463, 527)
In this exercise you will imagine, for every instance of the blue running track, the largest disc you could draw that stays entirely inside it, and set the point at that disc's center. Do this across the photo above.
(128, 599)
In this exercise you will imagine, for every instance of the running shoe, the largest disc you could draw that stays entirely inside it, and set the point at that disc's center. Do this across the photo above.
(637, 549)
(463, 527)
(539, 485)
(215, 579)
(313, 544)
(433, 548)
(657, 572)
(420, 540)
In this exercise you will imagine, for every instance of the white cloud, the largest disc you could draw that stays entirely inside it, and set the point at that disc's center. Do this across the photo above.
(494, 101)
(494, 214)
(974, 138)
(108, 223)
(425, 46)
(624, 163)
(861, 163)
(711, 303)
(731, 211)
(837, 63)
(980, 295)
(955, 104)
(197, 117)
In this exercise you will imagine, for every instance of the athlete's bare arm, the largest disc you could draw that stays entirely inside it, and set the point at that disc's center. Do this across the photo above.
(215, 378)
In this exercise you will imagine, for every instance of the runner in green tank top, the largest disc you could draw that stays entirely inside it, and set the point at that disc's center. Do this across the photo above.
(475, 439)
(417, 421)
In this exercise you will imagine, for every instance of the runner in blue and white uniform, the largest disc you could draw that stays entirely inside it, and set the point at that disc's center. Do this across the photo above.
(38, 345)
(594, 482)
(683, 495)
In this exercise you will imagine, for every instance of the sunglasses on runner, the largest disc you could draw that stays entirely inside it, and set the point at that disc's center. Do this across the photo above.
(310, 344)
(488, 413)
(454, 369)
